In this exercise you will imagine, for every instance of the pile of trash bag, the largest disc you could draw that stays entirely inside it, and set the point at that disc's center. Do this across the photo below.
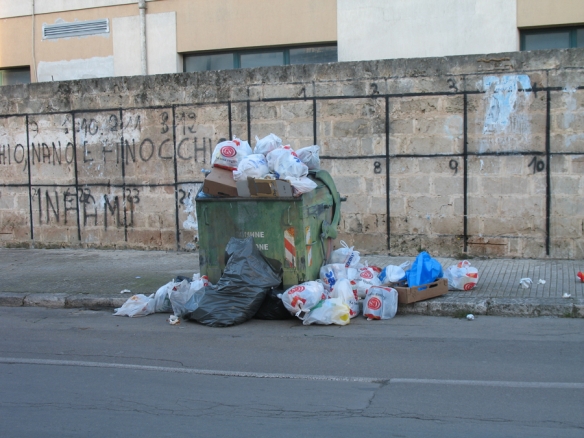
(346, 286)
(249, 288)
(270, 159)
(244, 290)
(247, 279)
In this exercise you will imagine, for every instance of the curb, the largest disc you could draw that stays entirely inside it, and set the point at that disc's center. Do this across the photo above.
(61, 300)
(522, 307)
(441, 306)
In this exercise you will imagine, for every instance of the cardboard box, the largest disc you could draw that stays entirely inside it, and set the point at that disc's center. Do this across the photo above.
(243, 188)
(407, 295)
(220, 182)
(269, 188)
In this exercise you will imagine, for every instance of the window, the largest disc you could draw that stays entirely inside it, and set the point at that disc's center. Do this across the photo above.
(260, 58)
(554, 38)
(15, 76)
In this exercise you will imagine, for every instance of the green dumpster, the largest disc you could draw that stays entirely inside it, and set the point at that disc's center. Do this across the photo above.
(297, 232)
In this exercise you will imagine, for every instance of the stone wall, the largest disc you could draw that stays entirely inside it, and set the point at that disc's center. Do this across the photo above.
(474, 154)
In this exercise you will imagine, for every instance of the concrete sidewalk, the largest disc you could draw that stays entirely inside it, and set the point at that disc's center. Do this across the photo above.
(74, 278)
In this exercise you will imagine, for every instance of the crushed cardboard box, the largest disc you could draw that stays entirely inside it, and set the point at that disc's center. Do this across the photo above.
(407, 295)
(220, 182)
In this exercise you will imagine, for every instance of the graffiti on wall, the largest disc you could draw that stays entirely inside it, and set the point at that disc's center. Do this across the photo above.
(447, 163)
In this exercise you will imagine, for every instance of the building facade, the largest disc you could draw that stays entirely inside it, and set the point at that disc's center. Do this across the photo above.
(48, 40)
(455, 153)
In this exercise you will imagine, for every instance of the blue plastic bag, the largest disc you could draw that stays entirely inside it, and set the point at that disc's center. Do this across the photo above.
(424, 270)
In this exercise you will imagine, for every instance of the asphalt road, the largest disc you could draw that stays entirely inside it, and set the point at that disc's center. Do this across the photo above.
(85, 373)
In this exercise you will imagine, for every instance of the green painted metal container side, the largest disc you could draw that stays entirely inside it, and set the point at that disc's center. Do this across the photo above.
(284, 229)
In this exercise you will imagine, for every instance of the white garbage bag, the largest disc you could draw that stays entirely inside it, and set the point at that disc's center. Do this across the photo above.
(182, 295)
(346, 291)
(199, 282)
(303, 297)
(393, 274)
(267, 144)
(330, 274)
(380, 303)
(137, 305)
(329, 311)
(345, 255)
(461, 276)
(309, 156)
(366, 279)
(228, 154)
(254, 166)
(302, 185)
(161, 300)
(285, 163)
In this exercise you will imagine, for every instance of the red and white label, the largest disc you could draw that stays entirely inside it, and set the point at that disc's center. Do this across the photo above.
(296, 289)
(374, 303)
(228, 151)
(366, 274)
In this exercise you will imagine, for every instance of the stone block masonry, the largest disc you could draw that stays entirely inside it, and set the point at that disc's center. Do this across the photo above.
(456, 155)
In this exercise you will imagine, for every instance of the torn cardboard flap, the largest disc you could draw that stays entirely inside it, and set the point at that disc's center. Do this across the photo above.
(269, 188)
(220, 182)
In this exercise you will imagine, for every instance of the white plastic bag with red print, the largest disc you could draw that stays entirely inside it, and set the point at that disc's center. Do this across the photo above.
(199, 282)
(303, 297)
(330, 274)
(347, 291)
(136, 305)
(462, 276)
(380, 303)
(285, 163)
(228, 154)
(345, 255)
(366, 278)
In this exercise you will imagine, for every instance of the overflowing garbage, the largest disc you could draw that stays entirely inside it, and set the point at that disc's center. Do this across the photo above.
(263, 279)
(250, 287)
(238, 170)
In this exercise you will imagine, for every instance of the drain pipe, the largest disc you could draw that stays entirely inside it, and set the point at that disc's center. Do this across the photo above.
(33, 77)
(143, 59)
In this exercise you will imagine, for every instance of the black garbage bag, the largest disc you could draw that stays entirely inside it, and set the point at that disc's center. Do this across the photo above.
(242, 288)
(273, 308)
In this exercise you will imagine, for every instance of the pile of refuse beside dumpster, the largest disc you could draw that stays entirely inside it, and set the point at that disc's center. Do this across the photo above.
(271, 169)
(348, 286)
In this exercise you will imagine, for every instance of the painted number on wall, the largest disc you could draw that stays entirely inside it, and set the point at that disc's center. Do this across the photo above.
(538, 165)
